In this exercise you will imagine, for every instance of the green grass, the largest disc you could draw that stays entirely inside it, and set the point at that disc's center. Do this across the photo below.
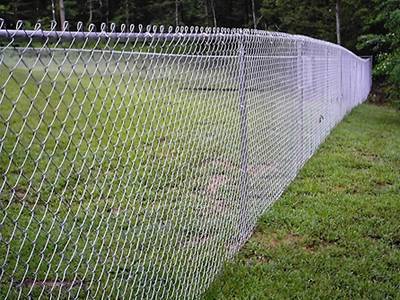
(335, 233)
(118, 181)
(104, 176)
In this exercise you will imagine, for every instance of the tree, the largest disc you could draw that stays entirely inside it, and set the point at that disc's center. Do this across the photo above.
(383, 40)
(338, 22)
(253, 10)
(123, 12)
(53, 11)
(213, 13)
(176, 12)
(62, 13)
(309, 17)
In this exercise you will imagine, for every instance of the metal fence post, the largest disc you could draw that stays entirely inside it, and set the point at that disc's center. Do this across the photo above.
(300, 86)
(327, 116)
(341, 85)
(243, 183)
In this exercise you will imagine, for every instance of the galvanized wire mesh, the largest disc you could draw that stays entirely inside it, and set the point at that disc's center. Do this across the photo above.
(134, 162)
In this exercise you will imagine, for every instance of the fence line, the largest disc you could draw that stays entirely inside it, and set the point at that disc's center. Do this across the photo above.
(135, 163)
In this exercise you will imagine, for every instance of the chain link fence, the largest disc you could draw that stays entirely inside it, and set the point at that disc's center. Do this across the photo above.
(135, 161)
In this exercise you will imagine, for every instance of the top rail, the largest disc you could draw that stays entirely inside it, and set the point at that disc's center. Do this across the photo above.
(122, 36)
(183, 35)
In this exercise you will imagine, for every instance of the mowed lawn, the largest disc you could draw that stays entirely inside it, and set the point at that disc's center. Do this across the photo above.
(335, 233)
(94, 170)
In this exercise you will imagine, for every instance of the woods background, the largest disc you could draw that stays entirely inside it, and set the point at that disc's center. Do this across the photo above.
(366, 27)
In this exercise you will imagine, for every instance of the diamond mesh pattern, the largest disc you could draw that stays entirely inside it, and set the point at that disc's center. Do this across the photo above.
(134, 162)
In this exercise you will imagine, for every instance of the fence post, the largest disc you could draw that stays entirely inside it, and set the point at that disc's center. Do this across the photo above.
(243, 183)
(341, 95)
(300, 86)
(350, 92)
(327, 115)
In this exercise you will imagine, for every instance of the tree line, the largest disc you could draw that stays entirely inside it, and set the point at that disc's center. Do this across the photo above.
(315, 18)
(367, 27)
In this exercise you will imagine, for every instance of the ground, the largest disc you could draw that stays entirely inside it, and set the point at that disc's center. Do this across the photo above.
(335, 233)
(94, 163)
(124, 179)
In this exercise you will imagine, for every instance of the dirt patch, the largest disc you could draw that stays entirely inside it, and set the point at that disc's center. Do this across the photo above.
(257, 258)
(339, 188)
(116, 211)
(288, 239)
(261, 170)
(273, 240)
(223, 164)
(215, 182)
(270, 241)
(383, 185)
(20, 193)
(375, 237)
(395, 242)
(317, 245)
(219, 206)
(371, 157)
(313, 248)
(348, 189)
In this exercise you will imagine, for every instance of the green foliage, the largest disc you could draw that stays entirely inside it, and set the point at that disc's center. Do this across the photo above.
(335, 232)
(317, 18)
(233, 13)
(383, 40)
(311, 17)
(314, 18)
(6, 10)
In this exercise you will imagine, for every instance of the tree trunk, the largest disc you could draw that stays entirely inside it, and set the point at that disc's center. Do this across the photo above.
(62, 14)
(53, 11)
(90, 11)
(253, 8)
(107, 10)
(126, 12)
(338, 21)
(213, 13)
(176, 12)
(206, 11)
(37, 16)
